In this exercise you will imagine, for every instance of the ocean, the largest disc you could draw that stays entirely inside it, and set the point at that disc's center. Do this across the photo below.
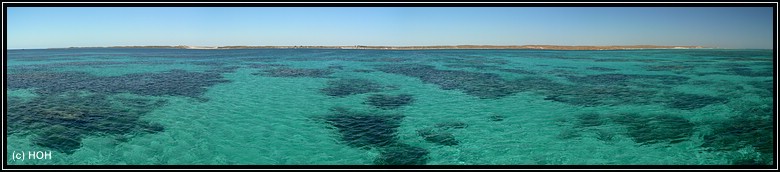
(117, 106)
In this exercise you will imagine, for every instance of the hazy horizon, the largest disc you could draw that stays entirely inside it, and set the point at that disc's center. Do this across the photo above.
(62, 27)
(112, 46)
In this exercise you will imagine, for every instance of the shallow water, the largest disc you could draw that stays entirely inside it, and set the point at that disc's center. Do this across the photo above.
(309, 106)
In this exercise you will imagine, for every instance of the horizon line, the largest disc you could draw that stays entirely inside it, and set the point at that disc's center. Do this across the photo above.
(389, 46)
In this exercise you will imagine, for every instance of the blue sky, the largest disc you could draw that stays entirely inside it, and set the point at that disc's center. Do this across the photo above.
(738, 27)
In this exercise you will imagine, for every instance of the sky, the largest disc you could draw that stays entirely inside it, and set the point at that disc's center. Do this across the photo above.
(57, 27)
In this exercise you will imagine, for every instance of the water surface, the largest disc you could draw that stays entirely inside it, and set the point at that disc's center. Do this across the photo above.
(324, 106)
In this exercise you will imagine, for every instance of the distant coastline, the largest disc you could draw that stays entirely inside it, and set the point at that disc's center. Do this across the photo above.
(464, 47)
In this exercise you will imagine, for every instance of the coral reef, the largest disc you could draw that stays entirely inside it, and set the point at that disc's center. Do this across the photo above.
(438, 136)
(402, 154)
(60, 121)
(589, 120)
(744, 71)
(496, 118)
(655, 129)
(169, 83)
(686, 101)
(364, 130)
(295, 72)
(603, 69)
(384, 101)
(346, 87)
(482, 85)
(752, 127)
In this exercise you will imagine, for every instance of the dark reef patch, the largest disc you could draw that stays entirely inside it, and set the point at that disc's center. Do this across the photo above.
(346, 87)
(438, 136)
(626, 79)
(336, 67)
(692, 101)
(765, 87)
(744, 71)
(603, 69)
(518, 71)
(363, 70)
(629, 60)
(752, 127)
(668, 67)
(209, 63)
(599, 95)
(384, 101)
(59, 138)
(99, 64)
(482, 85)
(561, 72)
(496, 118)
(402, 154)
(224, 69)
(655, 129)
(451, 125)
(169, 83)
(589, 120)
(261, 59)
(539, 84)
(295, 72)
(61, 121)
(568, 133)
(735, 55)
(475, 66)
(442, 133)
(604, 135)
(265, 66)
(602, 79)
(364, 130)
(381, 59)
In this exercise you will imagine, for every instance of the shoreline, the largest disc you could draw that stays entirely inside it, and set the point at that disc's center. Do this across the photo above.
(443, 47)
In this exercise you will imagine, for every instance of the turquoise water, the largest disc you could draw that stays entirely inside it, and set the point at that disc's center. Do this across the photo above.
(435, 107)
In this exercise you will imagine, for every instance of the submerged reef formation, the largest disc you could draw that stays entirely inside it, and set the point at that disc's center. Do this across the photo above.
(482, 85)
(518, 71)
(265, 65)
(589, 120)
(363, 130)
(598, 95)
(402, 154)
(363, 70)
(60, 121)
(692, 101)
(587, 90)
(586, 122)
(346, 87)
(496, 118)
(668, 67)
(169, 83)
(336, 67)
(475, 66)
(224, 69)
(748, 72)
(603, 69)
(69, 106)
(766, 88)
(442, 133)
(387, 102)
(626, 79)
(99, 64)
(295, 72)
(451, 125)
(752, 128)
(438, 136)
(655, 129)
(367, 130)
